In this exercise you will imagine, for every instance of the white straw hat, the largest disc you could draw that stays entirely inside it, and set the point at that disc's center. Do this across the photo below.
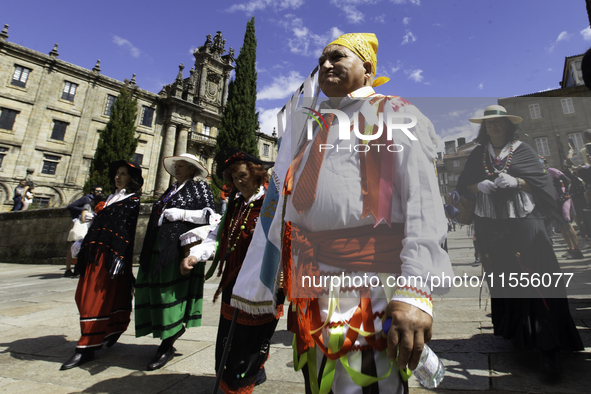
(189, 158)
(496, 111)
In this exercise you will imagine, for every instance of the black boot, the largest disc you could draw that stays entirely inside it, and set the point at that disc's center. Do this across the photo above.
(78, 359)
(111, 340)
(165, 352)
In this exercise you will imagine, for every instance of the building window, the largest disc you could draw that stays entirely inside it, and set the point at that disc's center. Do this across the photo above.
(542, 146)
(137, 158)
(69, 91)
(20, 76)
(2, 154)
(147, 116)
(567, 106)
(206, 130)
(59, 130)
(578, 140)
(41, 202)
(265, 149)
(50, 164)
(534, 111)
(110, 103)
(456, 163)
(7, 117)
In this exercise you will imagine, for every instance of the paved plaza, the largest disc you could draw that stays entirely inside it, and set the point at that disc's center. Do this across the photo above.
(39, 328)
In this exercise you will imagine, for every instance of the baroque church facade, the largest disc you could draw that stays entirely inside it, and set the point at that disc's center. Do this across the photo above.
(52, 113)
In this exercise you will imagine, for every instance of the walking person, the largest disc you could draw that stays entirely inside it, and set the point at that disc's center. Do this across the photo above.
(514, 193)
(18, 195)
(76, 209)
(167, 302)
(28, 195)
(104, 291)
(250, 344)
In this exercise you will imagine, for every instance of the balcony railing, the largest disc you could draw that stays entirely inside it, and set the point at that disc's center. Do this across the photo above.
(202, 138)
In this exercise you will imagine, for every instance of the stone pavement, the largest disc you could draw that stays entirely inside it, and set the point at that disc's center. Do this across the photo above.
(39, 328)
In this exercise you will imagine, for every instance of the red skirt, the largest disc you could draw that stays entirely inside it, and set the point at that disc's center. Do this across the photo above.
(104, 305)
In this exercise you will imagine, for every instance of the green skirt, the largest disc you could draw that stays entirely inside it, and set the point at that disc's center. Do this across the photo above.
(164, 302)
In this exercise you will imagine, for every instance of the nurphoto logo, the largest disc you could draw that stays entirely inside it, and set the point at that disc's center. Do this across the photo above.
(369, 137)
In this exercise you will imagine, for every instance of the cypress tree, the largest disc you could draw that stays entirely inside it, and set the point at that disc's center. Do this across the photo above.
(240, 120)
(116, 142)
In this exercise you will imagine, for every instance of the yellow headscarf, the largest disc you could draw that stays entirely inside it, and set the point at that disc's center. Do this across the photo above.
(365, 45)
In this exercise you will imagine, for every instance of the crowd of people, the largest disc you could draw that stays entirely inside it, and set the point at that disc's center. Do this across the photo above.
(344, 213)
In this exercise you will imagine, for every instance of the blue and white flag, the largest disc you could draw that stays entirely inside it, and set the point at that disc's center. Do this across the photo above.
(259, 276)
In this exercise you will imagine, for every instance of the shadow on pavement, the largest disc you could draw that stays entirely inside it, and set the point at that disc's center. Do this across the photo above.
(143, 382)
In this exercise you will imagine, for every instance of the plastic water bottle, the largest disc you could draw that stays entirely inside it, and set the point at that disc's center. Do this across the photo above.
(430, 370)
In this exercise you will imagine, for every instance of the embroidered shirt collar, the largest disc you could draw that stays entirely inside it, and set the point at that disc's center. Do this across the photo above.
(255, 196)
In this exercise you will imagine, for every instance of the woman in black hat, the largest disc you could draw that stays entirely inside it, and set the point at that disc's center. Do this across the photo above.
(250, 344)
(104, 291)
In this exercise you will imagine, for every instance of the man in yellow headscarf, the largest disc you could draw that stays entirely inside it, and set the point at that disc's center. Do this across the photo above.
(364, 207)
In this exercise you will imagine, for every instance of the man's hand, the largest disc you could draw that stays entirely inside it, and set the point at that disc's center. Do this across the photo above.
(410, 330)
(187, 264)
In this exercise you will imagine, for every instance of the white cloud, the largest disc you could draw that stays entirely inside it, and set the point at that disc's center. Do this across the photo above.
(122, 42)
(408, 37)
(563, 36)
(455, 114)
(380, 19)
(349, 7)
(278, 5)
(586, 33)
(268, 119)
(415, 75)
(304, 41)
(406, 20)
(397, 67)
(282, 87)
(415, 2)
(481, 86)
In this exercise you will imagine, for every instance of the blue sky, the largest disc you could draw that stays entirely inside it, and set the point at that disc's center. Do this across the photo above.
(467, 53)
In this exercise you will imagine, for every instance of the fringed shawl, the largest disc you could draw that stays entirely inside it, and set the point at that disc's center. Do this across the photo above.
(111, 234)
(525, 165)
(193, 196)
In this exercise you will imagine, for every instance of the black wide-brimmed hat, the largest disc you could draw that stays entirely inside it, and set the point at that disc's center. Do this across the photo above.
(228, 156)
(134, 170)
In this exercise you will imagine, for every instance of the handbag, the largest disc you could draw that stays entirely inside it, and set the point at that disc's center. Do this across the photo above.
(78, 231)
(465, 205)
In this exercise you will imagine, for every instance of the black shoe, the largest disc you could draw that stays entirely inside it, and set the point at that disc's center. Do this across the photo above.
(549, 365)
(261, 377)
(77, 359)
(113, 339)
(160, 360)
(68, 274)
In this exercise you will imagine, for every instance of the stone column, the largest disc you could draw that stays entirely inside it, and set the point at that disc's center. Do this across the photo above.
(163, 178)
(181, 140)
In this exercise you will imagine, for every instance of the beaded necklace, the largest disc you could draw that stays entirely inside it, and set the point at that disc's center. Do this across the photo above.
(497, 162)
(234, 226)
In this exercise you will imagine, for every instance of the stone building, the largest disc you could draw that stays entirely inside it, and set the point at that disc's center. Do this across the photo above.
(551, 117)
(450, 163)
(52, 112)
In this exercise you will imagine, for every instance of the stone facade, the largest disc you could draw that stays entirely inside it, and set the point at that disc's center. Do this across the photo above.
(52, 112)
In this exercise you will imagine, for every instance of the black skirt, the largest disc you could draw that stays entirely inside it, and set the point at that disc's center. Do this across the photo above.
(532, 316)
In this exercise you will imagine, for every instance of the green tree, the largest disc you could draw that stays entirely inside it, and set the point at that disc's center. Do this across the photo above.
(240, 120)
(116, 142)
